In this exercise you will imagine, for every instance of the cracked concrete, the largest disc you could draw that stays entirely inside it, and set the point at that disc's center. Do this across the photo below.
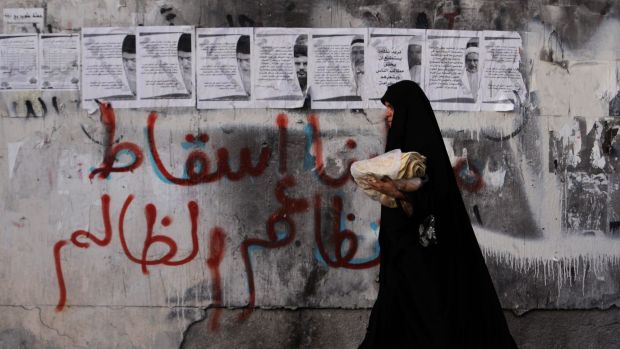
(340, 328)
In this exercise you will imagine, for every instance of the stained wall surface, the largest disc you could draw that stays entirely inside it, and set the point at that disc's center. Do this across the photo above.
(133, 260)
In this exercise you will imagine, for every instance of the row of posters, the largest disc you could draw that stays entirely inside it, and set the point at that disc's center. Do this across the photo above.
(215, 68)
(46, 61)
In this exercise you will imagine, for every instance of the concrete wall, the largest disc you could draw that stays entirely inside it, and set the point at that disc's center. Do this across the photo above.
(542, 185)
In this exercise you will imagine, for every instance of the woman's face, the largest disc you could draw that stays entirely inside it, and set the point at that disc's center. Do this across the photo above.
(389, 114)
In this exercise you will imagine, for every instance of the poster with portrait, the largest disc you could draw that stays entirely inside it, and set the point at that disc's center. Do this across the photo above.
(224, 67)
(280, 66)
(337, 68)
(18, 62)
(502, 85)
(454, 69)
(59, 57)
(109, 67)
(166, 66)
(393, 55)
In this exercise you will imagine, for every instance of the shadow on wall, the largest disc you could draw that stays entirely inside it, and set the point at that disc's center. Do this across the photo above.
(489, 179)
(20, 338)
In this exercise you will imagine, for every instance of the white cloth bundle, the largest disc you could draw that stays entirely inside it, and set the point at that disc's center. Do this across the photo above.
(393, 164)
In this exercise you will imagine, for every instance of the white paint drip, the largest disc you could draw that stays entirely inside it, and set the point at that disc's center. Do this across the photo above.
(449, 144)
(596, 157)
(561, 260)
(495, 123)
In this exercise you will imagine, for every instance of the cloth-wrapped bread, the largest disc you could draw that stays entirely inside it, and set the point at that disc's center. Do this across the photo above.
(393, 164)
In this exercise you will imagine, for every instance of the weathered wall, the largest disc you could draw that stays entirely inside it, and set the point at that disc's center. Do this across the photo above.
(288, 229)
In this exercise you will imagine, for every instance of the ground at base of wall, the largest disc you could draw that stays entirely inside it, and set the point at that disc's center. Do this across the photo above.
(340, 328)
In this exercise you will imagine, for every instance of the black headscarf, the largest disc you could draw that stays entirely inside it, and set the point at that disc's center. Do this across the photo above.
(414, 127)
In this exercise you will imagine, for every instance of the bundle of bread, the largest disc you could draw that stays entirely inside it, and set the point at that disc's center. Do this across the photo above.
(393, 164)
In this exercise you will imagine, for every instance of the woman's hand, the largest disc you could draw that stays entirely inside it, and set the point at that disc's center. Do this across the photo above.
(385, 186)
(408, 185)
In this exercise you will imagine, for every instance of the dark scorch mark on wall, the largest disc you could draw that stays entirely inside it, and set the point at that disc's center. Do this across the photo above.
(55, 104)
(421, 21)
(243, 20)
(30, 109)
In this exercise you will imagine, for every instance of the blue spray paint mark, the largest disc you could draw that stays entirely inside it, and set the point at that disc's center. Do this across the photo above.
(252, 248)
(197, 169)
(195, 144)
(318, 257)
(375, 248)
(343, 219)
(376, 252)
(128, 152)
(152, 161)
(345, 245)
(281, 235)
(375, 228)
(309, 160)
(92, 168)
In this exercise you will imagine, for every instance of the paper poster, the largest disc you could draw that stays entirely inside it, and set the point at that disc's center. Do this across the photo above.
(109, 67)
(280, 65)
(502, 84)
(337, 68)
(166, 66)
(18, 62)
(454, 69)
(224, 67)
(23, 20)
(393, 55)
(59, 56)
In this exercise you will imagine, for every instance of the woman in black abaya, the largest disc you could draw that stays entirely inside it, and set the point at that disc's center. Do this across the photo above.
(434, 288)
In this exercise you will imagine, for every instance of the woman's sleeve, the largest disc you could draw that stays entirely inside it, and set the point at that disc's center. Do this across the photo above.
(426, 199)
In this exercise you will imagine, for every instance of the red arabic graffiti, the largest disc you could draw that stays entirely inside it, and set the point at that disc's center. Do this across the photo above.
(338, 238)
(217, 245)
(197, 163)
(150, 212)
(197, 168)
(317, 147)
(282, 121)
(105, 213)
(291, 206)
(108, 119)
(150, 239)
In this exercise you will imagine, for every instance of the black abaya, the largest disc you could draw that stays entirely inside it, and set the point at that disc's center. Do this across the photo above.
(434, 288)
